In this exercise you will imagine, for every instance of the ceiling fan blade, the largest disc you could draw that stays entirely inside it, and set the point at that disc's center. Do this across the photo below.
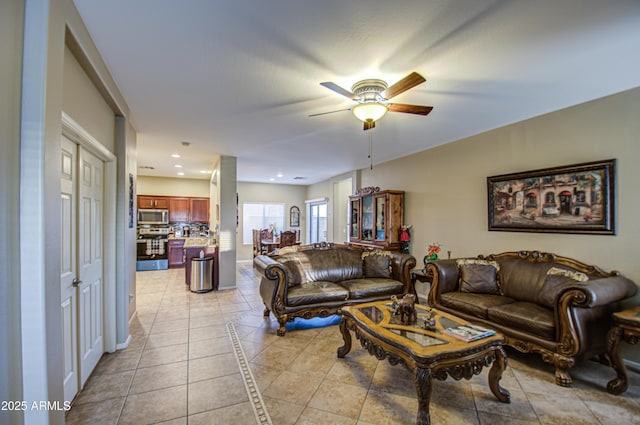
(403, 85)
(410, 109)
(336, 88)
(368, 125)
(330, 112)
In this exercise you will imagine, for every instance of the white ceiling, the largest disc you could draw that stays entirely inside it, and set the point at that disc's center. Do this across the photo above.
(240, 77)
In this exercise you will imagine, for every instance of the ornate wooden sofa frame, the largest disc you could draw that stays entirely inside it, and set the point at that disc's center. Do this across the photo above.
(560, 318)
(317, 280)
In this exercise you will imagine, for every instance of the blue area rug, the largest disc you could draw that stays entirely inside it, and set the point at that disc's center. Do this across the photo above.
(316, 322)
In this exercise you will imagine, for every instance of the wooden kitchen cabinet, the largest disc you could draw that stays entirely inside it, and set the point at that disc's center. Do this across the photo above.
(199, 209)
(152, 202)
(179, 210)
(376, 218)
(176, 252)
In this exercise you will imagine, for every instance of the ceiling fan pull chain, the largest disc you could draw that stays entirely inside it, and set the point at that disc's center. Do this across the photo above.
(371, 150)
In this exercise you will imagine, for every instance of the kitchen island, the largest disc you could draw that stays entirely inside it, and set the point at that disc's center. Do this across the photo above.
(192, 248)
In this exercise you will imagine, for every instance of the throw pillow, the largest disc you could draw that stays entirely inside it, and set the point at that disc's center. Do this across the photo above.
(577, 276)
(557, 281)
(295, 272)
(478, 276)
(376, 265)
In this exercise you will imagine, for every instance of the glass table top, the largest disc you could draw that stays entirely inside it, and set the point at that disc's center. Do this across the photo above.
(418, 332)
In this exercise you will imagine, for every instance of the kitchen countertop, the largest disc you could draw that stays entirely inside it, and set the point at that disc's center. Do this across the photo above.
(199, 242)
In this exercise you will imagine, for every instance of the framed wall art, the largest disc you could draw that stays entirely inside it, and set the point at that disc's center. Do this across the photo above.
(131, 190)
(294, 216)
(577, 198)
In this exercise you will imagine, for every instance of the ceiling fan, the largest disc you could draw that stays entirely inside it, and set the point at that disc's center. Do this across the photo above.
(373, 97)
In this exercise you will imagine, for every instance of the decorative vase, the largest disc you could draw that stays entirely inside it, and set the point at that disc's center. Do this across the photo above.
(431, 257)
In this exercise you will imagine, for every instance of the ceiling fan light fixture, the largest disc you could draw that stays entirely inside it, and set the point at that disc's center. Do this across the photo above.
(369, 111)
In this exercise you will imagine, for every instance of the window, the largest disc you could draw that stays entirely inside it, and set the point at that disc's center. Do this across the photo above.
(317, 221)
(259, 215)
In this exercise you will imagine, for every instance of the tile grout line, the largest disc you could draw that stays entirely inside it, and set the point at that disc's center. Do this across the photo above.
(255, 398)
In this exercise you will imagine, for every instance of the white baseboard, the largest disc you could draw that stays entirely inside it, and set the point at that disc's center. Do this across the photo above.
(634, 366)
(128, 341)
(124, 344)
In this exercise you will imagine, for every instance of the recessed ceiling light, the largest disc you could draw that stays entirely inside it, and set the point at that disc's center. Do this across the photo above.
(272, 179)
(181, 173)
(204, 172)
(175, 155)
(279, 174)
(178, 166)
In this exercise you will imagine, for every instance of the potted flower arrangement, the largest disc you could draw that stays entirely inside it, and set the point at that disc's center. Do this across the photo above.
(432, 252)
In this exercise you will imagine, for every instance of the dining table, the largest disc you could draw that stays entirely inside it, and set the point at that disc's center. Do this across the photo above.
(268, 245)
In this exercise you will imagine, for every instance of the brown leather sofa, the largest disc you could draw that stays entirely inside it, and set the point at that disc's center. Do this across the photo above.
(541, 302)
(318, 281)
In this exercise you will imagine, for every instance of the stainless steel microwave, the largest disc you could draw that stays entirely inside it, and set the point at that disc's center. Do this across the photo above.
(153, 216)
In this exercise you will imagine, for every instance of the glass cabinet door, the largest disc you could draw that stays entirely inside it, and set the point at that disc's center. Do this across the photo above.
(354, 231)
(367, 218)
(380, 233)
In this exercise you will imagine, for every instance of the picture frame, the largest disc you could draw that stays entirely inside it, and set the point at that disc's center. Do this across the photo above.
(131, 190)
(294, 216)
(578, 198)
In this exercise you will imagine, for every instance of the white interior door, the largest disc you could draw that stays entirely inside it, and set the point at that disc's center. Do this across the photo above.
(69, 272)
(81, 280)
(90, 262)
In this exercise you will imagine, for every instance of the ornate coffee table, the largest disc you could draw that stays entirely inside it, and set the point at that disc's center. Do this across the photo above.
(427, 353)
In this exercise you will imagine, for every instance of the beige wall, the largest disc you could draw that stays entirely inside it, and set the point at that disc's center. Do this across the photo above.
(258, 192)
(82, 102)
(167, 186)
(446, 195)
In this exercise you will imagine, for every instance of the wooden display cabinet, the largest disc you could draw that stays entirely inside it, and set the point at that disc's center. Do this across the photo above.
(376, 218)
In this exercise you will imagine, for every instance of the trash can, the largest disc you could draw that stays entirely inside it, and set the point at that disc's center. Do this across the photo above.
(201, 274)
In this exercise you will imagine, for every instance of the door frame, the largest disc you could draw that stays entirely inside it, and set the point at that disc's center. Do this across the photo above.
(76, 133)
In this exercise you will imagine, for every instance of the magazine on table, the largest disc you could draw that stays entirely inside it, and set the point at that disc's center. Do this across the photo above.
(469, 332)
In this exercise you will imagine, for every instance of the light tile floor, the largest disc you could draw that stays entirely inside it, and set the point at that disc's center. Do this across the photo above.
(181, 368)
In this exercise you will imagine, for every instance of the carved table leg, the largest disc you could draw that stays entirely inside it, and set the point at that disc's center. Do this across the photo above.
(422, 381)
(346, 336)
(620, 384)
(495, 375)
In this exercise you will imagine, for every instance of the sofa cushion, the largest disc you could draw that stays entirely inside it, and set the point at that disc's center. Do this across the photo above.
(376, 265)
(521, 279)
(528, 317)
(371, 287)
(474, 304)
(316, 293)
(479, 278)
